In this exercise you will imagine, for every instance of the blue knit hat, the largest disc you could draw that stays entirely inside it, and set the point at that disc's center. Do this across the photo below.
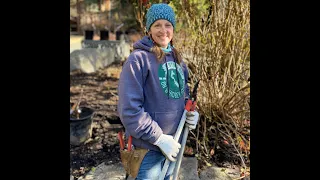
(160, 11)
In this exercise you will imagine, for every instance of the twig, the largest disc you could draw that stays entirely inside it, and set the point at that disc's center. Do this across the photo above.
(204, 135)
(197, 138)
(75, 107)
(233, 144)
(236, 93)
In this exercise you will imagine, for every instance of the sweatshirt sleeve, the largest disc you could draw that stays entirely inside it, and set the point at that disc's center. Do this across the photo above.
(136, 121)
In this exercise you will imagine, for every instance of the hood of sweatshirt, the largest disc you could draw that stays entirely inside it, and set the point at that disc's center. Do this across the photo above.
(144, 44)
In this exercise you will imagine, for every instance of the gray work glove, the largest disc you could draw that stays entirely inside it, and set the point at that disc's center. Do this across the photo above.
(192, 119)
(168, 146)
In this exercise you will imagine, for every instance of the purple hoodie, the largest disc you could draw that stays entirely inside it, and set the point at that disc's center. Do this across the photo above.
(151, 101)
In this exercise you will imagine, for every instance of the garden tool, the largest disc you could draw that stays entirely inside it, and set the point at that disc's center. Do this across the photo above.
(121, 140)
(130, 156)
(122, 143)
(190, 106)
(124, 154)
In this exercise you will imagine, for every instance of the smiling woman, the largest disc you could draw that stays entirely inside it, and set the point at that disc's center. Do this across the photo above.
(161, 32)
(152, 94)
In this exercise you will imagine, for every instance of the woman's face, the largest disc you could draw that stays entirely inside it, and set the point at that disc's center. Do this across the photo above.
(161, 32)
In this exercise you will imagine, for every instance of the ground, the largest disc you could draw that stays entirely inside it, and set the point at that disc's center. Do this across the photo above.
(100, 94)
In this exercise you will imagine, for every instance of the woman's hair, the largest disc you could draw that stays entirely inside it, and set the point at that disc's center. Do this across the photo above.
(160, 54)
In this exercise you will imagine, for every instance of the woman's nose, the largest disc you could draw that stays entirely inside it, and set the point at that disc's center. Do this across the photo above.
(163, 29)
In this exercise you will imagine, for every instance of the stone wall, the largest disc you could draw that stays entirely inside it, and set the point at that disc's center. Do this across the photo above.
(98, 54)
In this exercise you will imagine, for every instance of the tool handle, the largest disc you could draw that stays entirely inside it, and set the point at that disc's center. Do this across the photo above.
(180, 126)
(121, 140)
(176, 138)
(188, 105)
(164, 169)
(191, 106)
(180, 155)
(129, 143)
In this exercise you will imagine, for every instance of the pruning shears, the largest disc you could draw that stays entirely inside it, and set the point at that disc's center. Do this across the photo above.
(192, 103)
(190, 106)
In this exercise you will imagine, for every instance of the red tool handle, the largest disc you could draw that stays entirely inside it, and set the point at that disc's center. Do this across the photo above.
(188, 105)
(129, 143)
(121, 140)
(191, 106)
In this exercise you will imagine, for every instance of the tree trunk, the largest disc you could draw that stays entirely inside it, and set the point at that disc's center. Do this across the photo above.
(79, 18)
(99, 5)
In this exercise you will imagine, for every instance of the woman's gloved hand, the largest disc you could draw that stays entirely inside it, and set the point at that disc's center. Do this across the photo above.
(168, 146)
(192, 119)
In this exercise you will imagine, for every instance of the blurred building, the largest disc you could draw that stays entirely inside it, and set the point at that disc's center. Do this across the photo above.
(106, 19)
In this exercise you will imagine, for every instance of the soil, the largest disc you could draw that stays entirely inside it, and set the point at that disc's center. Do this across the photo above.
(99, 94)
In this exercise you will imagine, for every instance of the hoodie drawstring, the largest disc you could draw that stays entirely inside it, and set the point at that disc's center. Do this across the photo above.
(165, 58)
(177, 75)
(175, 63)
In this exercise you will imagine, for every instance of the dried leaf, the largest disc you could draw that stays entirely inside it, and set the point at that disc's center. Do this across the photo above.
(212, 152)
(188, 150)
(226, 142)
(242, 145)
(208, 164)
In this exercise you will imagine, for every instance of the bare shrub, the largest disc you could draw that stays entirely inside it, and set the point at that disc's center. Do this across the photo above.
(214, 37)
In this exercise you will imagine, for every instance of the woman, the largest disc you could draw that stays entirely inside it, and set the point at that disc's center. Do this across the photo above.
(152, 93)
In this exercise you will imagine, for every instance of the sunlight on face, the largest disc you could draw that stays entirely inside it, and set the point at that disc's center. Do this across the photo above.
(161, 32)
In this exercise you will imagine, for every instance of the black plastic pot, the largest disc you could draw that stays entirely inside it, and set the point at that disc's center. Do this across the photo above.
(81, 129)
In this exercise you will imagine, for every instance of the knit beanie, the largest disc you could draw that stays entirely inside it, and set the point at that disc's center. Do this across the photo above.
(160, 11)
